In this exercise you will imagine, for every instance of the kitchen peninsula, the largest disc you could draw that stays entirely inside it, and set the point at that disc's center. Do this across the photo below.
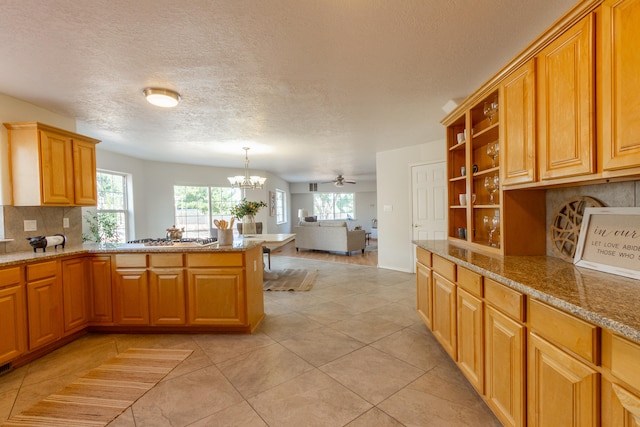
(48, 299)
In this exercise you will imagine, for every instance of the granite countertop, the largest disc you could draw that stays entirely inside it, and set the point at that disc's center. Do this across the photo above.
(606, 300)
(108, 248)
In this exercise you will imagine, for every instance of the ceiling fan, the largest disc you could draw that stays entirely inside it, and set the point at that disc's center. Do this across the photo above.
(340, 181)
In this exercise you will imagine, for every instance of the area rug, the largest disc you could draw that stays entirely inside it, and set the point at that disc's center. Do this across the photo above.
(103, 393)
(289, 279)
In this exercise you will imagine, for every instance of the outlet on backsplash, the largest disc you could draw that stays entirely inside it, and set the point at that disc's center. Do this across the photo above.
(30, 225)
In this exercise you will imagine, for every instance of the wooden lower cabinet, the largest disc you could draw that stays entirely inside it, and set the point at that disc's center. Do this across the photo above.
(216, 297)
(100, 295)
(619, 406)
(505, 366)
(444, 313)
(44, 303)
(75, 294)
(470, 338)
(167, 301)
(13, 332)
(563, 391)
(423, 296)
(131, 297)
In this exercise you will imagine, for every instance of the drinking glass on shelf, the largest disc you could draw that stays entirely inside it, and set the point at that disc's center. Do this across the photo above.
(493, 151)
(495, 225)
(491, 184)
(486, 223)
(490, 108)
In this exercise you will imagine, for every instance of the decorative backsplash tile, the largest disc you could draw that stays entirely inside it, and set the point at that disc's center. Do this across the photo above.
(49, 221)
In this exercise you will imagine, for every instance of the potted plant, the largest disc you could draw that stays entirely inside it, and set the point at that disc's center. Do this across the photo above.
(246, 211)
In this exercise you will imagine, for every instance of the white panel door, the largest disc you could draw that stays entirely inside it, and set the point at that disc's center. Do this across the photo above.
(429, 187)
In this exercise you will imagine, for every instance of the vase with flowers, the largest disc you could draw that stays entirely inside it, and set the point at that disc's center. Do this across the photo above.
(246, 211)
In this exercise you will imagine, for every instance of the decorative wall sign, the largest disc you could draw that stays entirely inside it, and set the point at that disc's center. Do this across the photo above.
(272, 203)
(610, 241)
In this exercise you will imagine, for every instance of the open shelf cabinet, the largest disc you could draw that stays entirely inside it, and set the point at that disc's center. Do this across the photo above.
(518, 226)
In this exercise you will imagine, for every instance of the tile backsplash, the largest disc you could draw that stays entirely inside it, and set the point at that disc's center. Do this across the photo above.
(49, 221)
(617, 194)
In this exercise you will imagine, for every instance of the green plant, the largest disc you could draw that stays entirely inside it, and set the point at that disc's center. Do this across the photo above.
(103, 227)
(246, 207)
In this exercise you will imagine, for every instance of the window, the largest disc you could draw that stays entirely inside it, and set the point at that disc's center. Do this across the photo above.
(112, 213)
(197, 207)
(281, 207)
(334, 205)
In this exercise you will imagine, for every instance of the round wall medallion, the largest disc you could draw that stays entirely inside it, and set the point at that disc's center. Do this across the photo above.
(565, 226)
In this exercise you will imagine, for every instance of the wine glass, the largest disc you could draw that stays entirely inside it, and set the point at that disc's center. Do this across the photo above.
(493, 151)
(488, 111)
(495, 224)
(486, 222)
(490, 184)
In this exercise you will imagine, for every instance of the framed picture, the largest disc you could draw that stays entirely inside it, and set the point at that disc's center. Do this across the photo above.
(272, 203)
(610, 241)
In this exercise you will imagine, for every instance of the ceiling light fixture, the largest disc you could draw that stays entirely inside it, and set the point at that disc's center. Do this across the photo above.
(161, 97)
(246, 181)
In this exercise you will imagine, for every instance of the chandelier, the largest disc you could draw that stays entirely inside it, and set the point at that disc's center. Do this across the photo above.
(246, 181)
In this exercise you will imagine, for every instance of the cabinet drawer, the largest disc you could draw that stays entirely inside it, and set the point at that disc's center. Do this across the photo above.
(470, 281)
(423, 256)
(10, 276)
(41, 270)
(507, 300)
(624, 361)
(166, 260)
(131, 260)
(215, 259)
(444, 267)
(566, 330)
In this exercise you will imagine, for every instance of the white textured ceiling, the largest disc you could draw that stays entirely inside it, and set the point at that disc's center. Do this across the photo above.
(314, 87)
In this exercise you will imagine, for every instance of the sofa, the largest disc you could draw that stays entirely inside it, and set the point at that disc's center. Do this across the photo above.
(329, 236)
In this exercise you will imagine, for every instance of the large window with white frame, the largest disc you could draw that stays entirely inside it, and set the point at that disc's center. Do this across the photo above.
(112, 211)
(334, 206)
(281, 207)
(196, 207)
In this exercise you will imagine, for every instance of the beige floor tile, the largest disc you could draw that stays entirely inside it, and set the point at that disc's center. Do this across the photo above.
(365, 330)
(283, 326)
(418, 349)
(326, 313)
(221, 347)
(321, 345)
(262, 369)
(239, 415)
(124, 420)
(374, 417)
(312, 399)
(185, 399)
(372, 374)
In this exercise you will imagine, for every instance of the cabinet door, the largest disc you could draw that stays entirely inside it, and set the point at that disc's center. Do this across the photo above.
(13, 332)
(470, 338)
(84, 173)
(57, 169)
(505, 367)
(216, 297)
(620, 407)
(423, 288)
(131, 294)
(620, 52)
(167, 296)
(100, 295)
(44, 308)
(565, 87)
(518, 126)
(562, 390)
(75, 294)
(444, 313)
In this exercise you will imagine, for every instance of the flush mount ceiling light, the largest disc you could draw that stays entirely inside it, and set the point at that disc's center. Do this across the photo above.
(246, 181)
(161, 97)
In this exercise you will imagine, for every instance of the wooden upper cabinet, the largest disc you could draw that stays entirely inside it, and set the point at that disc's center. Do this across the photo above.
(50, 166)
(618, 74)
(565, 97)
(517, 131)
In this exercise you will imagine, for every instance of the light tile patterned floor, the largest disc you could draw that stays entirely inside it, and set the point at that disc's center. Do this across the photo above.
(350, 352)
